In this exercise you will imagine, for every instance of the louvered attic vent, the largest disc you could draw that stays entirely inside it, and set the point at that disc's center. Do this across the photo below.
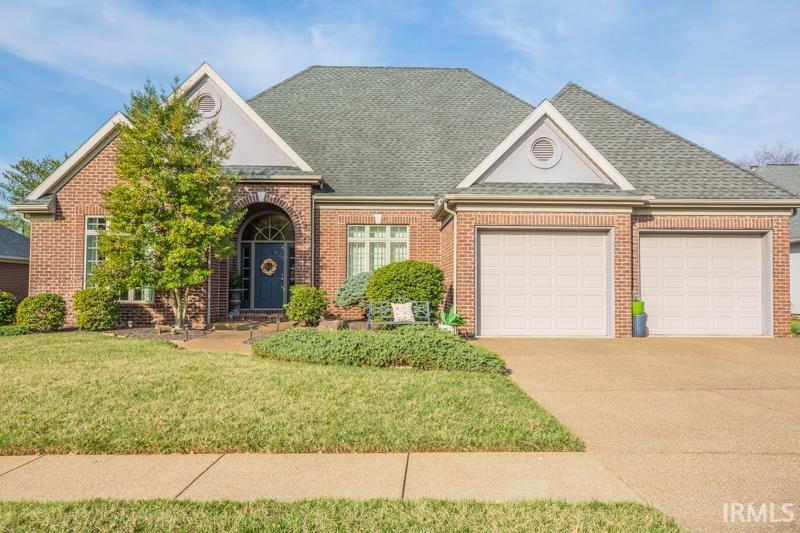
(545, 153)
(207, 105)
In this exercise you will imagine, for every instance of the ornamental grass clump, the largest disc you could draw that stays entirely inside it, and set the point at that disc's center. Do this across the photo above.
(423, 347)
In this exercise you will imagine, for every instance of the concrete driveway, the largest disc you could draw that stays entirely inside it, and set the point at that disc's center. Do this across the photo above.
(688, 424)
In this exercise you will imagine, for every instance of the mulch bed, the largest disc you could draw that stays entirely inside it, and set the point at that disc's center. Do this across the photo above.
(151, 333)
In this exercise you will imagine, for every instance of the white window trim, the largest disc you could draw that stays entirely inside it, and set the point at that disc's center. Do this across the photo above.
(94, 232)
(367, 240)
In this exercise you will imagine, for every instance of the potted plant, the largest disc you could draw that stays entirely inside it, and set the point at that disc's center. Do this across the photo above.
(637, 307)
(235, 291)
(450, 320)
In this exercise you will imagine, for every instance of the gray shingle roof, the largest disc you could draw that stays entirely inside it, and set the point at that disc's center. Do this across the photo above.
(378, 131)
(245, 171)
(12, 244)
(787, 177)
(546, 189)
(390, 131)
(653, 159)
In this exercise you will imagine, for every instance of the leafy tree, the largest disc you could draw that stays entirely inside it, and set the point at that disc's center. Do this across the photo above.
(17, 183)
(172, 207)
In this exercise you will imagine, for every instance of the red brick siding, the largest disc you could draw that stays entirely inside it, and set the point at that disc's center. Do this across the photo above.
(778, 225)
(446, 260)
(468, 222)
(14, 279)
(57, 246)
(331, 242)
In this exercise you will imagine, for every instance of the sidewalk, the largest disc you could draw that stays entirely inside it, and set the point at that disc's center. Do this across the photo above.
(480, 476)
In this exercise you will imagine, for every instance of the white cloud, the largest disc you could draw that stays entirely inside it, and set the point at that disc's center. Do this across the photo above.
(118, 44)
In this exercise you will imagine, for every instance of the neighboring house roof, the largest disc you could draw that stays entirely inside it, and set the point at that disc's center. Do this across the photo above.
(398, 131)
(654, 160)
(786, 176)
(13, 245)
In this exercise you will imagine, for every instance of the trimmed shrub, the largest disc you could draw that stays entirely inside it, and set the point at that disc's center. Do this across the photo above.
(423, 347)
(411, 280)
(95, 308)
(353, 292)
(42, 312)
(795, 327)
(9, 331)
(8, 306)
(306, 304)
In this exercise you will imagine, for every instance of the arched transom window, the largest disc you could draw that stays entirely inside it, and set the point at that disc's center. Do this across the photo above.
(269, 227)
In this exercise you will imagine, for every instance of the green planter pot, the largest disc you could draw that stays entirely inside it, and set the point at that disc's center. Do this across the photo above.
(637, 308)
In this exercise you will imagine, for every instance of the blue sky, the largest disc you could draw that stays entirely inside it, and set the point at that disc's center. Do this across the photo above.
(724, 74)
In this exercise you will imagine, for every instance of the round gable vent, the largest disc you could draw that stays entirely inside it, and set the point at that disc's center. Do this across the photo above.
(208, 105)
(545, 153)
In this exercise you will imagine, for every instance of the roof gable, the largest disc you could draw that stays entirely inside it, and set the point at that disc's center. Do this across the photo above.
(547, 116)
(655, 160)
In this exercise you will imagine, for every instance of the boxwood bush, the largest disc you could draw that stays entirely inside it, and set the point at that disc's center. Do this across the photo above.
(8, 306)
(353, 292)
(42, 312)
(409, 280)
(423, 347)
(306, 304)
(95, 308)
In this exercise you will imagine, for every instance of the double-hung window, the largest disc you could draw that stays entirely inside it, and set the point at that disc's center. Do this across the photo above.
(94, 226)
(369, 247)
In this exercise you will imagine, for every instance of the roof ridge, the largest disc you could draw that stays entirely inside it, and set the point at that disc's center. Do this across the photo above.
(779, 165)
(673, 134)
(563, 90)
(276, 85)
(505, 91)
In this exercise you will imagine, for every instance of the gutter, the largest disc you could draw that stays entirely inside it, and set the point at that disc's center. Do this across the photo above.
(14, 259)
(329, 199)
(291, 179)
(455, 199)
(34, 208)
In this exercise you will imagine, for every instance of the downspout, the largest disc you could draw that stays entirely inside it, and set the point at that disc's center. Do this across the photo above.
(455, 248)
(313, 231)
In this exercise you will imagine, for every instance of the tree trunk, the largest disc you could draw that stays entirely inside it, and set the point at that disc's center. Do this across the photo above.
(179, 305)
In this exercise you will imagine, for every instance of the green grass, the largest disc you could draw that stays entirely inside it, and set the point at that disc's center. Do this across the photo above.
(89, 393)
(332, 515)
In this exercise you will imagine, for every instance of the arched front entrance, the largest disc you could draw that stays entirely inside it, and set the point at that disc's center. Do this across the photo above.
(266, 260)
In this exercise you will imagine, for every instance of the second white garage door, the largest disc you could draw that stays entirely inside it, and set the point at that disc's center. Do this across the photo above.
(552, 283)
(704, 284)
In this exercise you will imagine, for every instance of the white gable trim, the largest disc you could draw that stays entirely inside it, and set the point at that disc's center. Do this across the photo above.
(546, 109)
(204, 71)
(79, 156)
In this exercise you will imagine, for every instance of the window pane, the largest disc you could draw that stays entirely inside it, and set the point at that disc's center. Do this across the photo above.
(377, 255)
(399, 232)
(149, 294)
(356, 263)
(356, 232)
(399, 251)
(95, 223)
(377, 232)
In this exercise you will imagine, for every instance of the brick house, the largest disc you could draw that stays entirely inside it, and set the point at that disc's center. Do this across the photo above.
(13, 263)
(546, 219)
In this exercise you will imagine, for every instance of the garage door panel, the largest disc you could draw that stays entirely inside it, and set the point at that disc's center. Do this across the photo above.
(696, 284)
(565, 289)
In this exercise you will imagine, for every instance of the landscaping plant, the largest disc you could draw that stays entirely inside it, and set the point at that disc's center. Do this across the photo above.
(353, 292)
(451, 318)
(8, 306)
(10, 331)
(95, 308)
(306, 304)
(172, 206)
(423, 347)
(42, 312)
(407, 280)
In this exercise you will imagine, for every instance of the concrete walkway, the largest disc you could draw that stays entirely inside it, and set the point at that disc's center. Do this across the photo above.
(689, 424)
(482, 476)
(231, 340)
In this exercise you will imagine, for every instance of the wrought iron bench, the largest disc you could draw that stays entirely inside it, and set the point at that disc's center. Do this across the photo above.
(381, 314)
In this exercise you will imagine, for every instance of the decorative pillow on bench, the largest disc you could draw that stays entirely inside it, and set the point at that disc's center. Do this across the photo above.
(403, 312)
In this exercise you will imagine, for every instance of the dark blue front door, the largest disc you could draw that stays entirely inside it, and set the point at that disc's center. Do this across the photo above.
(268, 290)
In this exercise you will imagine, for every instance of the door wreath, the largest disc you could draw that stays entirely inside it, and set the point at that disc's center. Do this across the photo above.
(269, 267)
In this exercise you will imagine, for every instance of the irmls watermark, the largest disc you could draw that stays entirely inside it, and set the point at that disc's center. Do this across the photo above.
(758, 512)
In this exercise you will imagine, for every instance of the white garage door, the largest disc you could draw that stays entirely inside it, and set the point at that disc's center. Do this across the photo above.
(703, 284)
(543, 283)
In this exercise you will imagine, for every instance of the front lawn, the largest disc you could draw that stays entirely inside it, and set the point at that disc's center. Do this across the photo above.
(332, 515)
(89, 393)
